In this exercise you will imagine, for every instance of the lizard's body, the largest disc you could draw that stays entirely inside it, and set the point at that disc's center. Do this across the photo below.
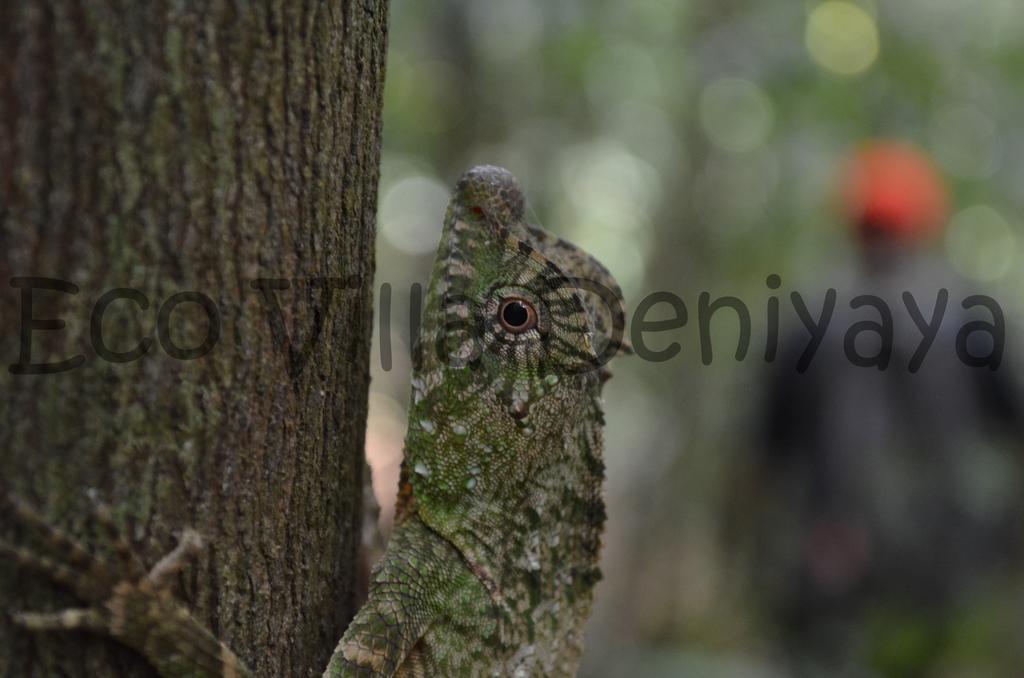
(491, 566)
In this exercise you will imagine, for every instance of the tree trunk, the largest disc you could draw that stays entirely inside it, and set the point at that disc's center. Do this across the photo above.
(229, 149)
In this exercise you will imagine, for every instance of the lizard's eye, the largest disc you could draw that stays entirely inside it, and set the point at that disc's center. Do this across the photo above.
(517, 315)
(477, 210)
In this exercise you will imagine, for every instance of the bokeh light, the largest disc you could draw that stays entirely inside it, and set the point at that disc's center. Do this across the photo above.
(842, 37)
(610, 197)
(981, 244)
(385, 436)
(411, 212)
(736, 114)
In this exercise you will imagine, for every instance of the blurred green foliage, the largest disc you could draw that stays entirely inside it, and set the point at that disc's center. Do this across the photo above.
(691, 146)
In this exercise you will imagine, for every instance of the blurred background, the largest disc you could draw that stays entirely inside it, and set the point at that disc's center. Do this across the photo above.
(695, 146)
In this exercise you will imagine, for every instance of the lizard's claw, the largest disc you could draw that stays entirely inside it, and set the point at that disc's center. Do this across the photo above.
(84, 619)
(110, 589)
(135, 606)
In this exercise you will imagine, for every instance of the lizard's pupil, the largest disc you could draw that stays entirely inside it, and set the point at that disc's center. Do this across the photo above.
(517, 315)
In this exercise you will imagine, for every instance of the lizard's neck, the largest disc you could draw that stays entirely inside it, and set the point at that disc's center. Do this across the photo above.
(512, 495)
(535, 548)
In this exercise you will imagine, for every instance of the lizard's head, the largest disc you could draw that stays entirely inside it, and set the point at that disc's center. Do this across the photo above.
(518, 324)
(485, 221)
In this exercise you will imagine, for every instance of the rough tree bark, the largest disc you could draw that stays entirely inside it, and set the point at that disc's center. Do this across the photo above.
(171, 147)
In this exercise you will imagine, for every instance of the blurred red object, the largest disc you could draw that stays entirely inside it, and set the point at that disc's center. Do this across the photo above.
(892, 190)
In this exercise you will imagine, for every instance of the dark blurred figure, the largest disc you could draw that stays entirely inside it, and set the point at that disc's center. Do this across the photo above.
(893, 497)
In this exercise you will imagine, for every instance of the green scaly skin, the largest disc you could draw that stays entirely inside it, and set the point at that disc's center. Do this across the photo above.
(491, 566)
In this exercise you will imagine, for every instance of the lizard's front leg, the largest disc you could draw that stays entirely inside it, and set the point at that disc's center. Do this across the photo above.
(421, 583)
(125, 601)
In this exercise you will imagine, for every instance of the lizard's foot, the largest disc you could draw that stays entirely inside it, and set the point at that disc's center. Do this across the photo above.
(93, 578)
(124, 599)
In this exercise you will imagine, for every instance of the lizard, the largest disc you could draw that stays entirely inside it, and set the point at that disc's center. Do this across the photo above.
(492, 563)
